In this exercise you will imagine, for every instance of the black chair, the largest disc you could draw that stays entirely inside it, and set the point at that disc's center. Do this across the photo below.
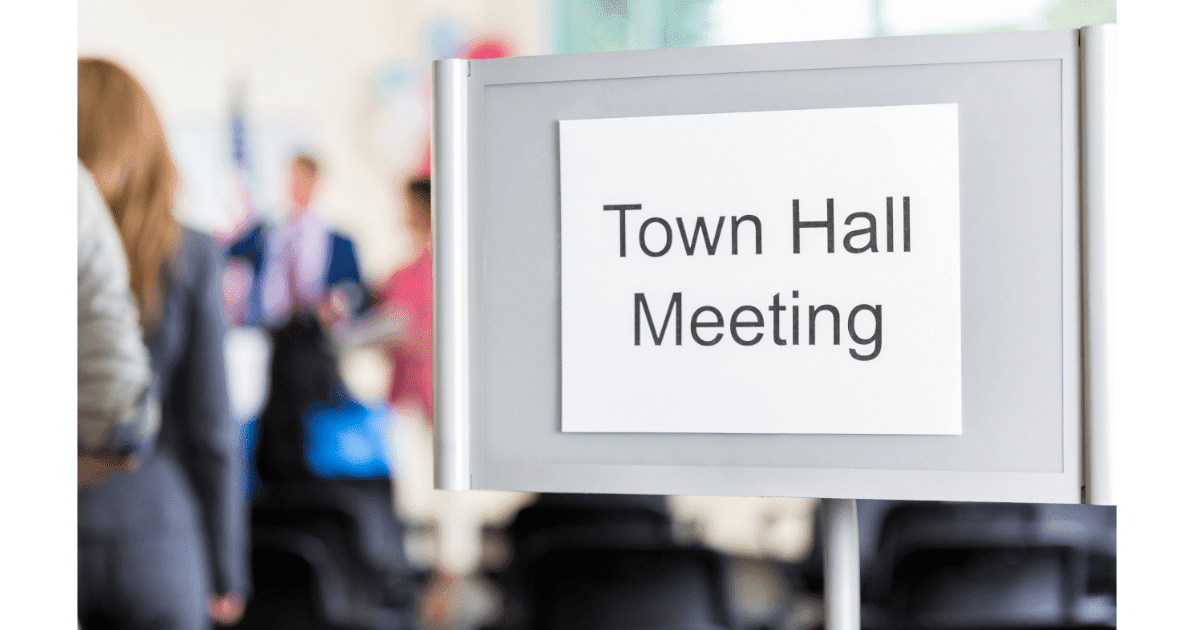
(996, 565)
(625, 589)
(375, 532)
(644, 517)
(349, 537)
(302, 582)
(286, 587)
(580, 560)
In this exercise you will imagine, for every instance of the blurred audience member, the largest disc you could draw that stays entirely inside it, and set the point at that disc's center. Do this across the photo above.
(302, 263)
(304, 376)
(118, 409)
(323, 462)
(403, 322)
(409, 295)
(155, 542)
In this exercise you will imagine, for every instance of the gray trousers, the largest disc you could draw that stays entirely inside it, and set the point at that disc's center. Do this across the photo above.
(154, 583)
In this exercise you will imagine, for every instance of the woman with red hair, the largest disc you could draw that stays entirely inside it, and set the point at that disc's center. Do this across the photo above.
(160, 545)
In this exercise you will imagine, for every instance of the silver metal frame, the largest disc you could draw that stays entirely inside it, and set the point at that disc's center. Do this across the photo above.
(452, 298)
(1097, 202)
(458, 108)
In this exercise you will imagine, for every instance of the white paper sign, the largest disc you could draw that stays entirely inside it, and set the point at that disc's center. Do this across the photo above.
(765, 272)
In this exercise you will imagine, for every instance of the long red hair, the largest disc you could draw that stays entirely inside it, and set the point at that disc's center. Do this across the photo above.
(122, 143)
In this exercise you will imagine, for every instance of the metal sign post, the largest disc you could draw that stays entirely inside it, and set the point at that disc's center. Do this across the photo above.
(841, 563)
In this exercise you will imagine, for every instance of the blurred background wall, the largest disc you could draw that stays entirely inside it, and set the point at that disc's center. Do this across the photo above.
(347, 81)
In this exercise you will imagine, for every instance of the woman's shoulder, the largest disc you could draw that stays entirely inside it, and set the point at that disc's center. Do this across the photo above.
(195, 241)
(404, 277)
(197, 258)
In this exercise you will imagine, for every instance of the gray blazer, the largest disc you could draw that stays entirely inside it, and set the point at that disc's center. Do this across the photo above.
(188, 490)
(117, 410)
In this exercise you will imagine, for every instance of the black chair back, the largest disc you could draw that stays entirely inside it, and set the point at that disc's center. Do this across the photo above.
(628, 589)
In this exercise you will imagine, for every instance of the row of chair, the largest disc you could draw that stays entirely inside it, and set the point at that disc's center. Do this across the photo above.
(981, 565)
(606, 562)
(592, 562)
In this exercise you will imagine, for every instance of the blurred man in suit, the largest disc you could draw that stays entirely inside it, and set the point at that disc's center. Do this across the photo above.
(301, 263)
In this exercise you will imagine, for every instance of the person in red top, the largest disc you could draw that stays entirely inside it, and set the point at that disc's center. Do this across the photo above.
(409, 295)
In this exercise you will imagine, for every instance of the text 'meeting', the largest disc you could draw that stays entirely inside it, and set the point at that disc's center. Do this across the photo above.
(747, 325)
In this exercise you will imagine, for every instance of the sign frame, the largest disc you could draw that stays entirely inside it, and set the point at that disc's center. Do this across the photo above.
(460, 170)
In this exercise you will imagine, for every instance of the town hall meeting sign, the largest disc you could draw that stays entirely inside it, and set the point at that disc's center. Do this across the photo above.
(764, 272)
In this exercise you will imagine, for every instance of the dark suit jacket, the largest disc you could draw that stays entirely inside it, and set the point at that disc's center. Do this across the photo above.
(343, 266)
(189, 488)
